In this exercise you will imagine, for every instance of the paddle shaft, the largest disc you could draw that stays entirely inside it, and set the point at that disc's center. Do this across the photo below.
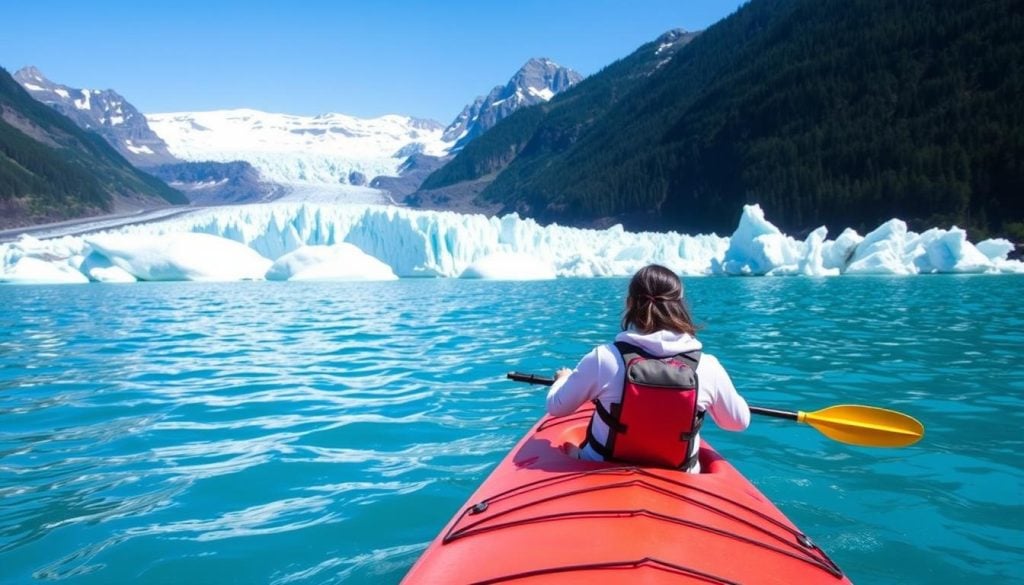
(866, 426)
(546, 381)
(786, 414)
(531, 378)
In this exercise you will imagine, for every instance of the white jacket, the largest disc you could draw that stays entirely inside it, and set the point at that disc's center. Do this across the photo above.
(600, 375)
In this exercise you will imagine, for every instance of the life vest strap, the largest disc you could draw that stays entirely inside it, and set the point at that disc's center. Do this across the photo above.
(697, 424)
(606, 453)
(609, 419)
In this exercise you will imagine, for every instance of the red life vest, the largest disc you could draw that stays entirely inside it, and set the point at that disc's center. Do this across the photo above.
(657, 419)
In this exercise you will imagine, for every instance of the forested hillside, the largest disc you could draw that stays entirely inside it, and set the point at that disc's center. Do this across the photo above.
(836, 112)
(553, 127)
(50, 169)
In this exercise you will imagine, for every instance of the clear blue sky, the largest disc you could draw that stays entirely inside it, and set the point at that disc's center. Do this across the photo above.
(364, 58)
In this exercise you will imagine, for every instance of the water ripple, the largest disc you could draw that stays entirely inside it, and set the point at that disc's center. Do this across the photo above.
(324, 433)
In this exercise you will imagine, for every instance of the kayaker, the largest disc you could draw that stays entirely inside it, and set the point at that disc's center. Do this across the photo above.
(656, 324)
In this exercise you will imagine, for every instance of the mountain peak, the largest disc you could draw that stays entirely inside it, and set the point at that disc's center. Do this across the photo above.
(671, 36)
(30, 73)
(537, 81)
(104, 112)
(673, 40)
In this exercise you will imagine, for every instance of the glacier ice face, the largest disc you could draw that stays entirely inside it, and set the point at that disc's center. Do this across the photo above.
(332, 241)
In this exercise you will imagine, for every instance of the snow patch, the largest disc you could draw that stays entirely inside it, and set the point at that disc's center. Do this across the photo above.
(143, 149)
(84, 103)
(544, 93)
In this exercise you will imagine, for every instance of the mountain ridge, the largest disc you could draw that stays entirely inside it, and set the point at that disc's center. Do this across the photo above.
(113, 117)
(50, 169)
(105, 112)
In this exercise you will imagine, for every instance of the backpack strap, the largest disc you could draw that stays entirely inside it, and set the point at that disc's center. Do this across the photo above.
(629, 352)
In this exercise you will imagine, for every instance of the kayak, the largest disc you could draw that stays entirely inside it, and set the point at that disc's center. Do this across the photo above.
(543, 516)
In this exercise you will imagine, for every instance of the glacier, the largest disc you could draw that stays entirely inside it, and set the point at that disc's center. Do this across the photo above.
(313, 151)
(310, 241)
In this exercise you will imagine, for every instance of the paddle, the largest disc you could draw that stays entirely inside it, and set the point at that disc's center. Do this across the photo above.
(853, 424)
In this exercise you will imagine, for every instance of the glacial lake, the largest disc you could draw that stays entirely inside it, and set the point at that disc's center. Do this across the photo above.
(293, 433)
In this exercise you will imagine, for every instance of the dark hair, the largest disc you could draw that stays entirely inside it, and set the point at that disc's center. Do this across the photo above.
(655, 302)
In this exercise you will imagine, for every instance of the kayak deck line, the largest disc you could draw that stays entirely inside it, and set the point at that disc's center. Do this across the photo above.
(824, 562)
(800, 540)
(544, 517)
(794, 543)
(612, 565)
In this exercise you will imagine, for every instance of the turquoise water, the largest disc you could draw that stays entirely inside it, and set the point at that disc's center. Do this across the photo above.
(324, 433)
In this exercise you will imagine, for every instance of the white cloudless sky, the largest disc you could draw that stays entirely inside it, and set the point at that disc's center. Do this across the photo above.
(363, 58)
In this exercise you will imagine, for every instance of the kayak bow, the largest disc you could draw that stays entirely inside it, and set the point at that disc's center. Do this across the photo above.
(545, 517)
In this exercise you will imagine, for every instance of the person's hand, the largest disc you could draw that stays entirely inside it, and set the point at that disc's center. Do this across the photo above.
(562, 372)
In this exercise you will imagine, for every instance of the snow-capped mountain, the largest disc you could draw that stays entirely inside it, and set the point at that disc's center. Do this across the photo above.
(537, 81)
(105, 112)
(328, 149)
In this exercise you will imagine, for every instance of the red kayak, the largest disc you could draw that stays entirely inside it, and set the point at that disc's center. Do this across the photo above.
(545, 517)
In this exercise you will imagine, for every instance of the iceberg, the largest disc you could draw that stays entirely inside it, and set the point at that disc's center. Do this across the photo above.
(757, 247)
(837, 254)
(29, 270)
(310, 241)
(948, 251)
(99, 268)
(180, 256)
(995, 249)
(338, 262)
(509, 266)
(812, 261)
(882, 251)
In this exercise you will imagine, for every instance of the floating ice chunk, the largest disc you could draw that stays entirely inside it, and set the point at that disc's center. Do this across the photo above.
(100, 269)
(838, 253)
(882, 251)
(757, 247)
(587, 265)
(180, 256)
(31, 261)
(995, 249)
(1010, 266)
(31, 270)
(510, 266)
(338, 262)
(938, 250)
(812, 263)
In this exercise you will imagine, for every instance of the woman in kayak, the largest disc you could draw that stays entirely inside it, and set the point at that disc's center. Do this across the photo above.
(654, 416)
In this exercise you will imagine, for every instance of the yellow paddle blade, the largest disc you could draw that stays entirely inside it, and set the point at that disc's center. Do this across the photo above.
(867, 426)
